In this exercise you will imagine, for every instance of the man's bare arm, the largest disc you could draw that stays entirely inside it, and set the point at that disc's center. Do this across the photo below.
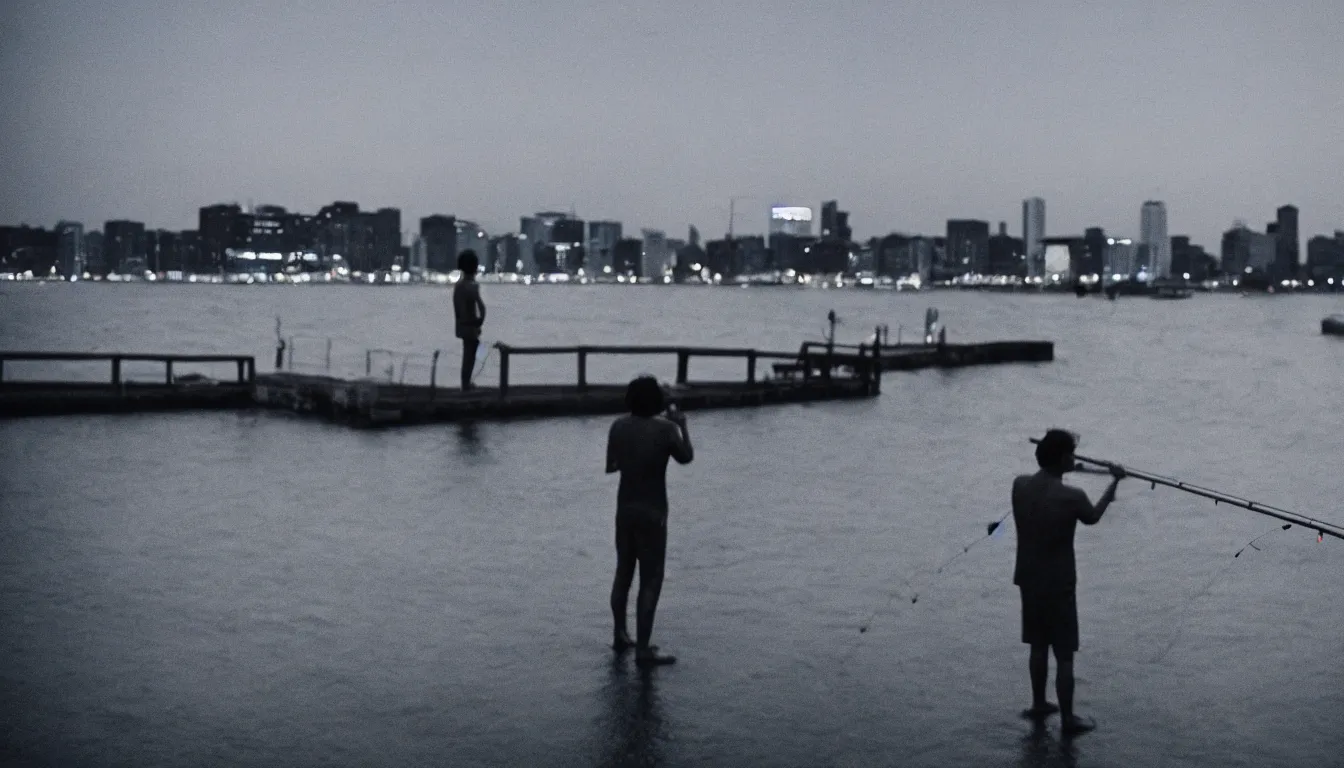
(682, 450)
(1091, 515)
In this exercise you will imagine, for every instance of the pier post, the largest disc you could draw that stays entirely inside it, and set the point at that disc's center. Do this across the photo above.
(434, 375)
(279, 354)
(291, 353)
(877, 368)
(116, 372)
(751, 366)
(368, 362)
(168, 372)
(251, 370)
(583, 368)
(683, 365)
(328, 365)
(503, 370)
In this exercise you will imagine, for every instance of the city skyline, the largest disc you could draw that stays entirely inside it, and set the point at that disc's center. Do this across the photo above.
(145, 112)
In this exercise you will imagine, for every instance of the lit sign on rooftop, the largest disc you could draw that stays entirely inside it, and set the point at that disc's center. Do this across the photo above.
(790, 213)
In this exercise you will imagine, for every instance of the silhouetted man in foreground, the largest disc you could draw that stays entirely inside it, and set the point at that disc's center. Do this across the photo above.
(638, 447)
(468, 312)
(1046, 513)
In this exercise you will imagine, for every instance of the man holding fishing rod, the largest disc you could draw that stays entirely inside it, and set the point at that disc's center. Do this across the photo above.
(1046, 513)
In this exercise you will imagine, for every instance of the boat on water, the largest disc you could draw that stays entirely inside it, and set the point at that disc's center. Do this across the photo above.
(1333, 325)
(1172, 292)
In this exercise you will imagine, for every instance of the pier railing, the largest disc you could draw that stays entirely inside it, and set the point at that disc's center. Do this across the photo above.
(866, 365)
(246, 365)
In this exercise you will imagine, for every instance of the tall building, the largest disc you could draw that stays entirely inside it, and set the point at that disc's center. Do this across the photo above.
(124, 247)
(968, 246)
(385, 226)
(1286, 249)
(1154, 239)
(1122, 259)
(793, 220)
(505, 254)
(438, 241)
(1094, 252)
(602, 239)
(471, 237)
(835, 222)
(628, 258)
(70, 248)
(657, 254)
(1033, 235)
(1325, 259)
(93, 253)
(1007, 254)
(28, 249)
(551, 242)
(220, 226)
(1246, 252)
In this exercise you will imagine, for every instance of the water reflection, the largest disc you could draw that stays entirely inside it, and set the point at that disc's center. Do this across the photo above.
(1041, 750)
(630, 731)
(469, 438)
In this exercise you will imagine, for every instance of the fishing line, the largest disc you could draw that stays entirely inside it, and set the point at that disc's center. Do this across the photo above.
(991, 529)
(484, 359)
(1184, 611)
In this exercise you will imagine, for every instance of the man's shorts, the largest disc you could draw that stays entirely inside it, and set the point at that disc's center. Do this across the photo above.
(1050, 618)
(643, 539)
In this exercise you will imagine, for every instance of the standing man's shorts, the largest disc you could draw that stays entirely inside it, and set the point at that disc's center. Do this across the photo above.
(645, 540)
(1050, 618)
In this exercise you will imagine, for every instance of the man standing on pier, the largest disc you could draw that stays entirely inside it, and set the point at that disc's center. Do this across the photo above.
(1046, 513)
(638, 446)
(469, 312)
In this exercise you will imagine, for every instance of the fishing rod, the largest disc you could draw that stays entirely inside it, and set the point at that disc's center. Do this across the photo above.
(1321, 527)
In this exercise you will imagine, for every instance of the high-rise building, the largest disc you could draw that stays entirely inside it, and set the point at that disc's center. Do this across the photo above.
(1154, 239)
(438, 241)
(835, 222)
(1007, 254)
(602, 239)
(385, 228)
(70, 248)
(124, 247)
(1246, 252)
(1286, 249)
(93, 253)
(505, 254)
(1094, 252)
(221, 226)
(1122, 259)
(628, 258)
(1325, 259)
(1033, 235)
(657, 254)
(471, 237)
(551, 242)
(793, 220)
(968, 246)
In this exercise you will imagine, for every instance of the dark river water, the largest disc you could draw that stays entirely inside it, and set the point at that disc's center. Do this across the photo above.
(256, 589)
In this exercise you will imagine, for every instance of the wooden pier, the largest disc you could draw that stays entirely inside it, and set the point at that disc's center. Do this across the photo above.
(119, 394)
(817, 371)
(368, 402)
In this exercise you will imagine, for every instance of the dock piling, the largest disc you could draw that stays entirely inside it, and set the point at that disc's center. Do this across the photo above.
(582, 356)
(683, 365)
(168, 372)
(751, 367)
(434, 375)
(503, 369)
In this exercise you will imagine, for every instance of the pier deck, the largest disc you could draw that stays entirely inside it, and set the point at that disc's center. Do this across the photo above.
(816, 372)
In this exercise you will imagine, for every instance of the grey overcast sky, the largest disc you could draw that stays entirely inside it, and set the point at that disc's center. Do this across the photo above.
(656, 113)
